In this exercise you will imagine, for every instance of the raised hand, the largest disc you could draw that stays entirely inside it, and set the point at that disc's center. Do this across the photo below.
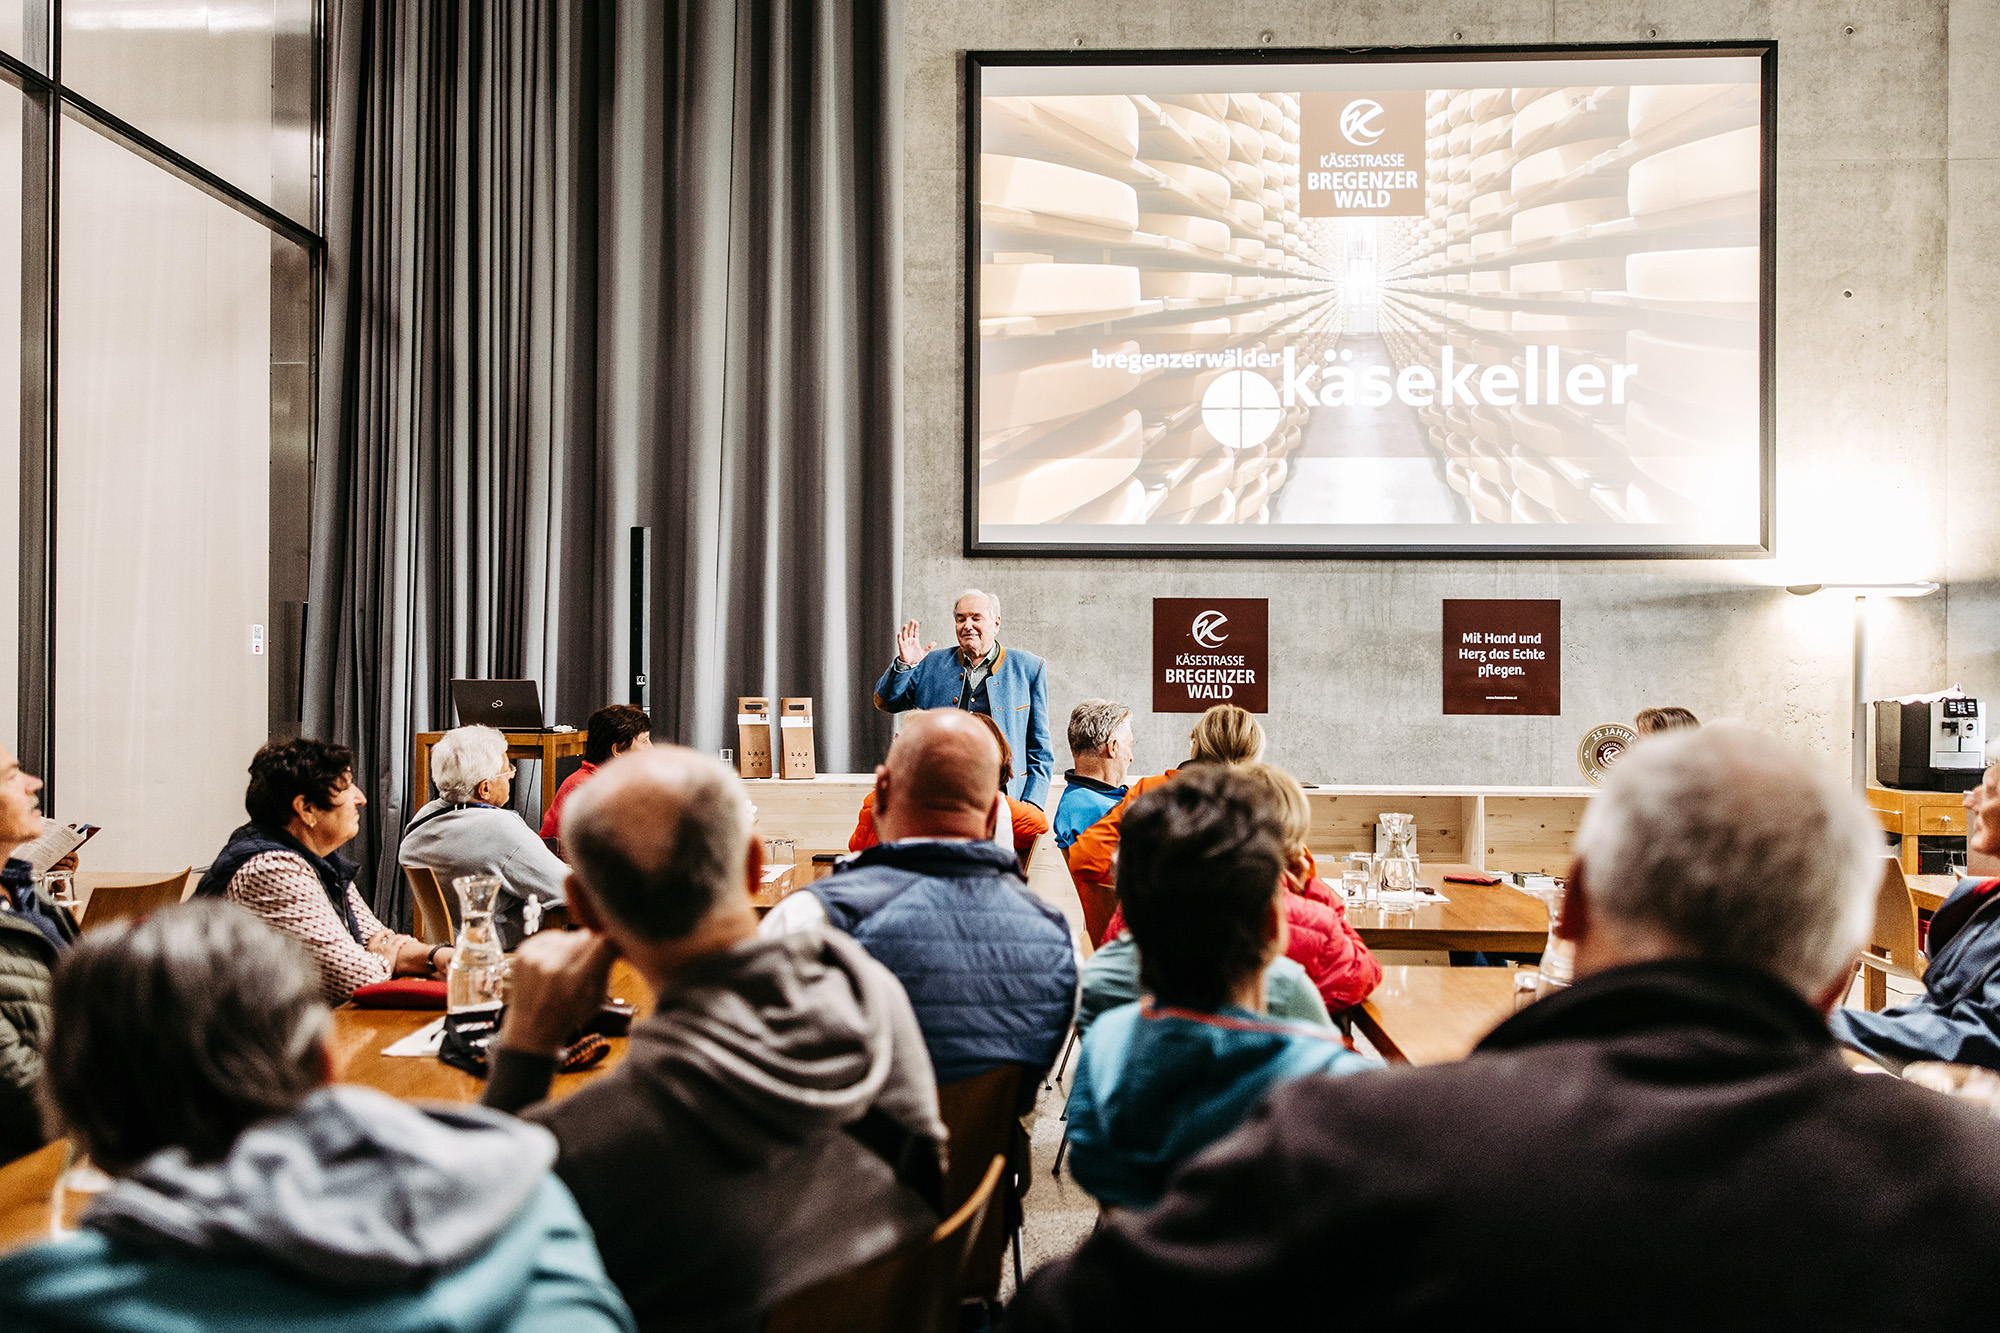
(907, 650)
(560, 978)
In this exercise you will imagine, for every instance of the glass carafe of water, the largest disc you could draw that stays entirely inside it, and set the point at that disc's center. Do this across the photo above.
(1398, 841)
(478, 965)
(1558, 965)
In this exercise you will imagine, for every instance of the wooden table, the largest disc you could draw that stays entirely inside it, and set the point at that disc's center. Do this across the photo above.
(1496, 918)
(1928, 892)
(1910, 814)
(1433, 1015)
(547, 746)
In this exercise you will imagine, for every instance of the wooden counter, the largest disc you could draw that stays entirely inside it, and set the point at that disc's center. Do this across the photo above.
(1504, 828)
(1914, 814)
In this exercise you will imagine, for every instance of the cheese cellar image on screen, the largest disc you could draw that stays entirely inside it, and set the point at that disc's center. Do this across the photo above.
(1505, 303)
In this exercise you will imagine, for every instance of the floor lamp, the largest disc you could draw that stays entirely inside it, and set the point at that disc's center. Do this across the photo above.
(1861, 592)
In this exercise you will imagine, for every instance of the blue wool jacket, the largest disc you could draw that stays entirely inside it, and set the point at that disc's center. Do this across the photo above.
(1957, 1018)
(1154, 1086)
(1017, 691)
(988, 966)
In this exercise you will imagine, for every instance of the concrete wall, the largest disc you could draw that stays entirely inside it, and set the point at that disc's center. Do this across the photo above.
(1888, 190)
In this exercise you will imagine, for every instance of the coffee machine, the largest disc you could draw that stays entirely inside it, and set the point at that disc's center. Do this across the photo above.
(1939, 745)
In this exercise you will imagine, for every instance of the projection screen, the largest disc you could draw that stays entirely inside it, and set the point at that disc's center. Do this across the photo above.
(1501, 303)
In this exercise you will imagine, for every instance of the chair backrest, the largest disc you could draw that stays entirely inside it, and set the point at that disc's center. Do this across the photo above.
(434, 923)
(914, 1290)
(27, 1193)
(979, 1113)
(1896, 920)
(109, 902)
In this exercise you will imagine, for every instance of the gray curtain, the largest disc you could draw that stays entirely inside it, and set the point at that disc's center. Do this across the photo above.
(595, 265)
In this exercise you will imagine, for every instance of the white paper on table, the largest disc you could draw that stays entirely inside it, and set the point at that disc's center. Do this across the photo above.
(1399, 898)
(424, 1041)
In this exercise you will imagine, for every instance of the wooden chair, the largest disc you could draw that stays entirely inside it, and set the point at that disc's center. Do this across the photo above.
(979, 1113)
(1893, 950)
(434, 919)
(27, 1193)
(914, 1290)
(110, 902)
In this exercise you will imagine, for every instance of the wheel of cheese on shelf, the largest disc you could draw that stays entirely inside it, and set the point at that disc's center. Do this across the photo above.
(1272, 174)
(1485, 102)
(1036, 489)
(1249, 177)
(1052, 390)
(1545, 111)
(1203, 233)
(1555, 163)
(1459, 166)
(1173, 391)
(1207, 132)
(1108, 119)
(1488, 501)
(1536, 321)
(1159, 284)
(1035, 290)
(1489, 282)
(1695, 173)
(1653, 105)
(1459, 253)
(1274, 146)
(1057, 191)
(1196, 335)
(1211, 187)
(1680, 456)
(1491, 204)
(1525, 510)
(1459, 141)
(1248, 249)
(1213, 105)
(1246, 142)
(1456, 476)
(1247, 108)
(1486, 244)
(1123, 503)
(1723, 274)
(1250, 497)
(1222, 509)
(1493, 132)
(1546, 220)
(1695, 371)
(1491, 166)
(1605, 274)
(1523, 98)
(1208, 479)
(1457, 193)
(1242, 286)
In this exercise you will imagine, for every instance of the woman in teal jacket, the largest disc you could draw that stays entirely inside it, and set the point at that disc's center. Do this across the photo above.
(190, 1059)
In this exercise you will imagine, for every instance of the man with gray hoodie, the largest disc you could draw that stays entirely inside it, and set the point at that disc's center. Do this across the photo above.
(775, 1119)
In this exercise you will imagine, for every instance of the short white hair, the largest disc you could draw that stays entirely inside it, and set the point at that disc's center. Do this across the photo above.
(464, 757)
(992, 602)
(1737, 848)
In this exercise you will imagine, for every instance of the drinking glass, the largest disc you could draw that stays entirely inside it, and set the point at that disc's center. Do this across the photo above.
(1362, 864)
(728, 757)
(60, 888)
(1354, 884)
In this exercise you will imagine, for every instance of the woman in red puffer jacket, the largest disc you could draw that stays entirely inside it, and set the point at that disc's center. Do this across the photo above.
(1319, 938)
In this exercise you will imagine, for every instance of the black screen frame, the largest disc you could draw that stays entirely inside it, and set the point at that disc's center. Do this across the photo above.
(1765, 51)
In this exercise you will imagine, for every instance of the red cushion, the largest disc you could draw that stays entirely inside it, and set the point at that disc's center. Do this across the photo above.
(402, 993)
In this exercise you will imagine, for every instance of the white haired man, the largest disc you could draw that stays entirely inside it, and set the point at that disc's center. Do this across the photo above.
(469, 830)
(1008, 685)
(1672, 1142)
(1100, 745)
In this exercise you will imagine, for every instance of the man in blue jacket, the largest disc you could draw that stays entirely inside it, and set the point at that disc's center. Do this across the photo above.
(980, 676)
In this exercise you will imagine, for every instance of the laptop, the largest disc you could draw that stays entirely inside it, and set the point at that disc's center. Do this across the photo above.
(511, 705)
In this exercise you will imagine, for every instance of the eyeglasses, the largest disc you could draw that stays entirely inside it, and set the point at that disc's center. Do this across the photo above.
(506, 772)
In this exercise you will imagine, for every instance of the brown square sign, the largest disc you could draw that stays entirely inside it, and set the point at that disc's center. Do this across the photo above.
(1503, 656)
(1361, 155)
(1209, 651)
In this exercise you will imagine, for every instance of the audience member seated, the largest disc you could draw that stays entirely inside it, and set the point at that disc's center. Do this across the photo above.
(774, 1121)
(1982, 841)
(1672, 1142)
(990, 968)
(612, 730)
(190, 1060)
(1658, 721)
(469, 830)
(282, 865)
(34, 933)
(1028, 822)
(1317, 935)
(1202, 867)
(1100, 747)
(1957, 1018)
(1225, 734)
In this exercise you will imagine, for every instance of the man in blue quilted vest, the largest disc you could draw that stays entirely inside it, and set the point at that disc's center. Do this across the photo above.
(989, 967)
(979, 676)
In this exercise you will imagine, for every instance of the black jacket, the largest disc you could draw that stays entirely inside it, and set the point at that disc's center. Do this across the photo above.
(1672, 1145)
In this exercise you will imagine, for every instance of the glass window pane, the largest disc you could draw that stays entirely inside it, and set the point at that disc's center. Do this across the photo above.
(11, 40)
(162, 549)
(228, 83)
(10, 412)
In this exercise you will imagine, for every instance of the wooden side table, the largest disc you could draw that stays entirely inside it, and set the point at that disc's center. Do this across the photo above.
(547, 746)
(1909, 814)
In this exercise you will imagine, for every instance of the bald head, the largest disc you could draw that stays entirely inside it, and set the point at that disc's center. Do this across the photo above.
(659, 836)
(941, 779)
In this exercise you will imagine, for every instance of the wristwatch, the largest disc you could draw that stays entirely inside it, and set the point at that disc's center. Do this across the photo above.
(431, 958)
